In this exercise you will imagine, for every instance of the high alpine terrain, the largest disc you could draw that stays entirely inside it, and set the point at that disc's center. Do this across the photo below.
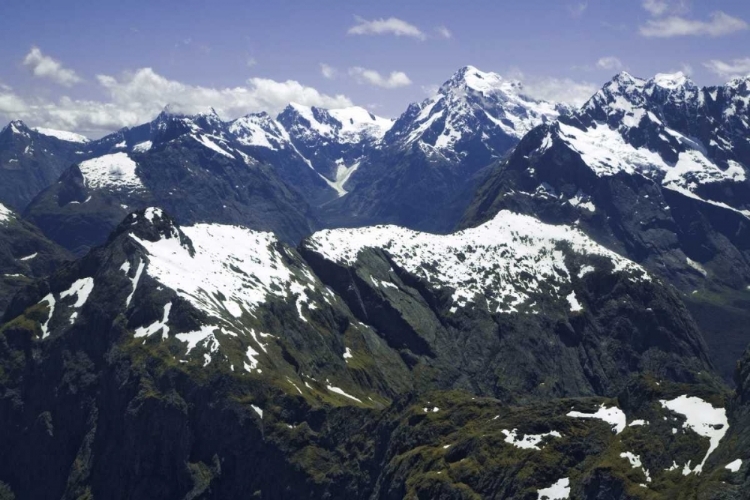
(654, 170)
(283, 308)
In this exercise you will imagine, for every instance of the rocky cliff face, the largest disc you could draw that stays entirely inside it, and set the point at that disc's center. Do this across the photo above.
(32, 159)
(25, 255)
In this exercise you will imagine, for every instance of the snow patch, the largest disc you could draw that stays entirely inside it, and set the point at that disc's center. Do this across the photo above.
(341, 392)
(62, 135)
(115, 171)
(734, 466)
(703, 419)
(528, 441)
(514, 255)
(560, 490)
(81, 289)
(614, 416)
(156, 325)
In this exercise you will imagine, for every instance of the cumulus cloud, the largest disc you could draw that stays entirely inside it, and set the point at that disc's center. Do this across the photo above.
(328, 71)
(444, 32)
(577, 9)
(390, 26)
(718, 24)
(43, 66)
(369, 76)
(735, 68)
(137, 97)
(655, 7)
(609, 63)
(563, 90)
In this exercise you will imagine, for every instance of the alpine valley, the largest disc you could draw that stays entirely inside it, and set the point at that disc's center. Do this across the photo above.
(490, 296)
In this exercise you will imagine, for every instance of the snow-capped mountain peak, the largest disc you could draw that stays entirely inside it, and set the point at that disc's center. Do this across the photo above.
(259, 129)
(345, 125)
(473, 109)
(62, 135)
(672, 81)
(473, 79)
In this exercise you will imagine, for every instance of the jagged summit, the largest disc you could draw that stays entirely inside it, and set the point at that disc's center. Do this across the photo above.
(471, 78)
(474, 111)
(672, 81)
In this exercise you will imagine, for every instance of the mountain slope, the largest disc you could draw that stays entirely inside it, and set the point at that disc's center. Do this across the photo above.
(431, 159)
(32, 159)
(190, 166)
(25, 255)
(655, 170)
(171, 359)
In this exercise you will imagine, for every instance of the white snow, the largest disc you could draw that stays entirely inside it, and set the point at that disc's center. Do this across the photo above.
(5, 213)
(697, 266)
(635, 462)
(142, 147)
(29, 257)
(637, 423)
(134, 281)
(207, 141)
(259, 130)
(343, 174)
(252, 356)
(257, 410)
(156, 325)
(474, 102)
(50, 300)
(560, 490)
(670, 81)
(62, 135)
(341, 392)
(580, 200)
(614, 416)
(493, 256)
(357, 123)
(347, 354)
(204, 335)
(115, 170)
(734, 466)
(240, 265)
(586, 270)
(152, 212)
(81, 289)
(529, 441)
(352, 125)
(575, 306)
(703, 419)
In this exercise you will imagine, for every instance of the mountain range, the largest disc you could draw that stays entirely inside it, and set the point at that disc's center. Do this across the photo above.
(490, 296)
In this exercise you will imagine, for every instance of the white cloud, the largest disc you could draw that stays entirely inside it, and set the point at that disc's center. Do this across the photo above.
(10, 103)
(686, 69)
(609, 63)
(655, 7)
(719, 24)
(733, 69)
(328, 71)
(43, 66)
(137, 97)
(394, 80)
(444, 32)
(577, 10)
(390, 26)
(564, 90)
(430, 90)
(251, 61)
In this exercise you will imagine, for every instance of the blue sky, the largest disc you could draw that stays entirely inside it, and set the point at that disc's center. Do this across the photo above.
(94, 66)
